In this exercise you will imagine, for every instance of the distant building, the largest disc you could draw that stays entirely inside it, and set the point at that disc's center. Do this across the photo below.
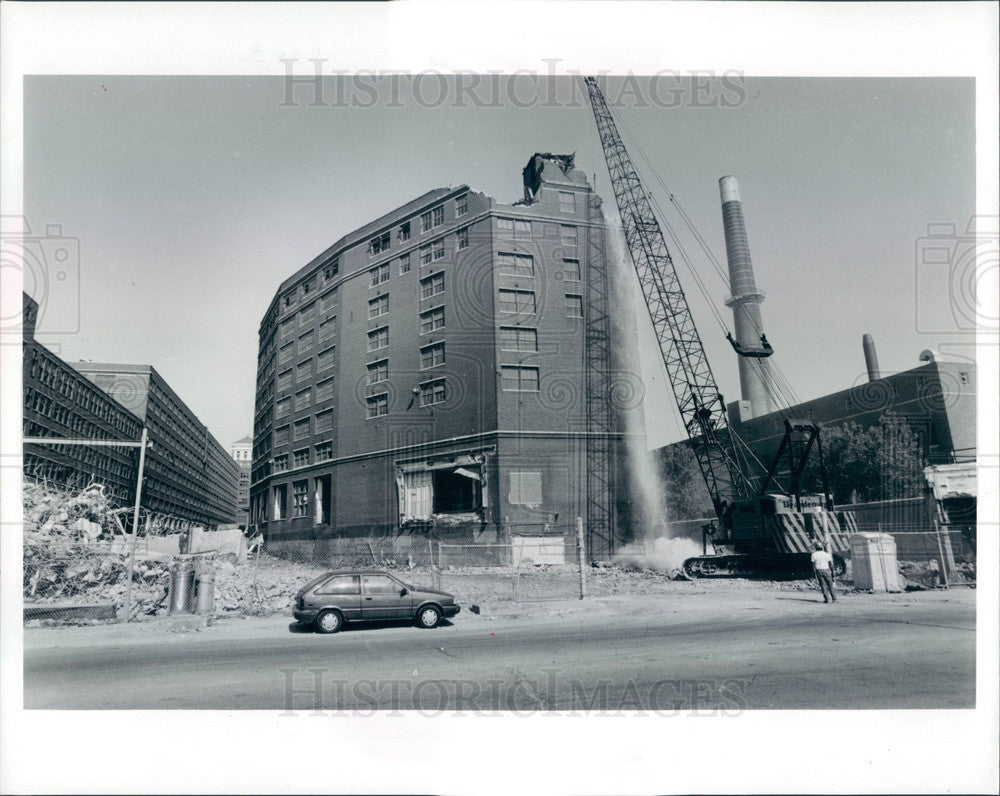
(445, 370)
(60, 402)
(190, 477)
(241, 451)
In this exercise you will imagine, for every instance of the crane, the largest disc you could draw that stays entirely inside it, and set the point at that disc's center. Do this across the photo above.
(759, 531)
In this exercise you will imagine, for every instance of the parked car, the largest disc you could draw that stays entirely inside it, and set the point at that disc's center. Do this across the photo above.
(334, 598)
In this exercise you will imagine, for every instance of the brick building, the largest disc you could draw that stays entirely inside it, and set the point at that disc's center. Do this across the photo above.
(444, 371)
(189, 476)
(241, 452)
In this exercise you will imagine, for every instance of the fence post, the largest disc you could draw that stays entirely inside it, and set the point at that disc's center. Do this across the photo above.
(581, 555)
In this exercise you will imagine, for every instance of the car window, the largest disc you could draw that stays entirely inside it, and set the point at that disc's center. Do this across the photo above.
(341, 584)
(381, 584)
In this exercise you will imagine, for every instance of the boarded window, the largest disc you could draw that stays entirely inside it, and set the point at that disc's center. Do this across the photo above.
(324, 390)
(525, 489)
(324, 421)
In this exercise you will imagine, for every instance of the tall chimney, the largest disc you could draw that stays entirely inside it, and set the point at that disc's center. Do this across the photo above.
(755, 374)
(871, 359)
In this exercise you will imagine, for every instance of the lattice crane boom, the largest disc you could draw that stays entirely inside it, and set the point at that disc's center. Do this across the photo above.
(701, 406)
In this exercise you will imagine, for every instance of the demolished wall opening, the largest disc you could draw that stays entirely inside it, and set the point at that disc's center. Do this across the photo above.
(457, 491)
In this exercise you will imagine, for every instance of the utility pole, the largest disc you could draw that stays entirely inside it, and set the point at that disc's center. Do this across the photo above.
(130, 569)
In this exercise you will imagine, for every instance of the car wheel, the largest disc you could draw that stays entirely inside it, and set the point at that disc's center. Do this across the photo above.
(428, 616)
(329, 622)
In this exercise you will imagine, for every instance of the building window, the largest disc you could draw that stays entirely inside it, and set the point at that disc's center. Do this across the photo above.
(326, 301)
(378, 338)
(432, 392)
(567, 202)
(378, 306)
(574, 305)
(302, 399)
(514, 378)
(518, 338)
(331, 269)
(307, 287)
(404, 230)
(324, 451)
(378, 371)
(327, 329)
(514, 227)
(324, 421)
(463, 238)
(379, 244)
(517, 301)
(437, 250)
(300, 498)
(425, 254)
(306, 341)
(525, 489)
(283, 407)
(286, 328)
(283, 435)
(300, 458)
(284, 380)
(288, 298)
(303, 371)
(432, 320)
(301, 429)
(324, 390)
(431, 356)
(431, 285)
(404, 263)
(567, 235)
(571, 269)
(378, 275)
(308, 314)
(378, 405)
(326, 358)
(461, 205)
(432, 218)
(285, 353)
(280, 496)
(516, 264)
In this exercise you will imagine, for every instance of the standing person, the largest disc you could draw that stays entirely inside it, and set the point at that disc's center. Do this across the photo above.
(822, 563)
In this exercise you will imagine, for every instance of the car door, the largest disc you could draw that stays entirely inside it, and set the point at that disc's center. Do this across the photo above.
(382, 598)
(343, 592)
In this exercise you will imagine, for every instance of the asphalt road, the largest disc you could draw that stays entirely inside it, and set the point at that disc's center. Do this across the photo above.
(672, 656)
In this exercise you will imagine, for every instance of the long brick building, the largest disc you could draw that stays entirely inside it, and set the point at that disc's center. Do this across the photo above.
(444, 371)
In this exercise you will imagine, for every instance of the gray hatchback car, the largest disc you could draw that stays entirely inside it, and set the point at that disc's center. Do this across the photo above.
(334, 598)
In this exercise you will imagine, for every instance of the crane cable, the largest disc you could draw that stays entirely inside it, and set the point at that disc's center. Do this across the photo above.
(779, 388)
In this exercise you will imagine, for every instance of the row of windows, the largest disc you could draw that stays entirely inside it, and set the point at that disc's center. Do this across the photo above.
(431, 393)
(428, 253)
(309, 286)
(513, 302)
(429, 220)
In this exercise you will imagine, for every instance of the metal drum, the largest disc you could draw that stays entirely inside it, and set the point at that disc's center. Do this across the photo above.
(181, 586)
(205, 588)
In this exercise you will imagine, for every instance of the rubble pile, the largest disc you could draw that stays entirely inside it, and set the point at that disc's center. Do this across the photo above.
(260, 587)
(68, 552)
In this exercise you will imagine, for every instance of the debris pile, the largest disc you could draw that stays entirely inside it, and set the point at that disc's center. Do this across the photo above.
(260, 587)
(68, 551)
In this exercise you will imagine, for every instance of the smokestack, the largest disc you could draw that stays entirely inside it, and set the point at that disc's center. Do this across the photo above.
(871, 359)
(755, 374)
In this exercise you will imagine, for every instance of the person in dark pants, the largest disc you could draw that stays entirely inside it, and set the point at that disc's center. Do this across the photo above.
(822, 563)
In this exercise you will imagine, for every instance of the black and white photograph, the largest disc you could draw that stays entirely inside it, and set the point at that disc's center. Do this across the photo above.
(459, 398)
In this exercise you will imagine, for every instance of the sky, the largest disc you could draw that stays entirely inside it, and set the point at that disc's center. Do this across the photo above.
(192, 198)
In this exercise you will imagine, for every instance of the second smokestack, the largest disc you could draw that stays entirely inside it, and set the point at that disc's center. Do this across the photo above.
(871, 359)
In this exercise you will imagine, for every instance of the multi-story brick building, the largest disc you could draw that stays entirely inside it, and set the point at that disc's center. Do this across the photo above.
(188, 479)
(189, 476)
(445, 368)
(241, 451)
(59, 402)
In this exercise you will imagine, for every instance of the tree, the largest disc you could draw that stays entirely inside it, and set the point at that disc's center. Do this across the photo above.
(878, 462)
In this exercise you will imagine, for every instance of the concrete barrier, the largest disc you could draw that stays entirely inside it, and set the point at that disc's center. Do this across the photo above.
(228, 542)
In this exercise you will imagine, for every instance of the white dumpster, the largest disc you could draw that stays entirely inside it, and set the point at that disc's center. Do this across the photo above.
(873, 562)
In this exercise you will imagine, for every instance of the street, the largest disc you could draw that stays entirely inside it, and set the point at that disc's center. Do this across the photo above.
(705, 653)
